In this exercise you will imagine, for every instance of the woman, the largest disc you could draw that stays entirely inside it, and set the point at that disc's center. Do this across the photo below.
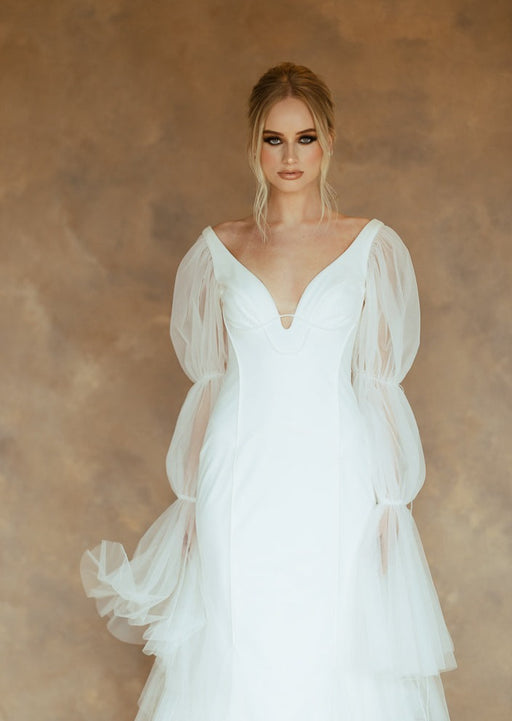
(287, 581)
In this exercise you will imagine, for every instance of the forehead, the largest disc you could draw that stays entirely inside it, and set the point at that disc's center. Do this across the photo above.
(288, 114)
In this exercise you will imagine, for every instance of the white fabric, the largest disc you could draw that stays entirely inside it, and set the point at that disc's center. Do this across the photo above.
(396, 621)
(287, 581)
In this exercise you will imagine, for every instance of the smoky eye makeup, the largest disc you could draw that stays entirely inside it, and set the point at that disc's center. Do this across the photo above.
(308, 138)
(305, 139)
(272, 140)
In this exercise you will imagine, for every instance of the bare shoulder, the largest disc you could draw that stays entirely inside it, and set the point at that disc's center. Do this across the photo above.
(349, 225)
(242, 235)
(234, 233)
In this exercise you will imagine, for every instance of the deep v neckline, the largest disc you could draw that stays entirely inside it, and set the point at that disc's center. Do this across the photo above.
(309, 285)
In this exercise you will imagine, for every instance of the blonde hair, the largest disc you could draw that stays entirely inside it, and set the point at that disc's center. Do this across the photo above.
(284, 81)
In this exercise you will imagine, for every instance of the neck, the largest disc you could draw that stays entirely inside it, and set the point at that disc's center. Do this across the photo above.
(289, 210)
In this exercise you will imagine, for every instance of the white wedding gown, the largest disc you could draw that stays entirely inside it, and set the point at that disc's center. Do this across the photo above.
(287, 582)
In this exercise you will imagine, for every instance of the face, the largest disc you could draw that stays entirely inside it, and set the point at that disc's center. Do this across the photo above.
(291, 154)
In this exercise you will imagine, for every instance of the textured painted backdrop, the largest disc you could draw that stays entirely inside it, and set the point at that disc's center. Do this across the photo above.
(122, 128)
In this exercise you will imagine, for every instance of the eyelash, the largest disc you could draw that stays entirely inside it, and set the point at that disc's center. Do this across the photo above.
(311, 139)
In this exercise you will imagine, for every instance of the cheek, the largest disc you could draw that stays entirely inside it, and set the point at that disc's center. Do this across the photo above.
(268, 155)
(313, 154)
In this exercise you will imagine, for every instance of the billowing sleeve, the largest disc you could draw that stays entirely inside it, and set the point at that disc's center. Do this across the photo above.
(397, 625)
(155, 597)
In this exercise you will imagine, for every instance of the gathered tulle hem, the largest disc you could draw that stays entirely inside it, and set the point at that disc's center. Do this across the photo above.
(392, 647)
(193, 685)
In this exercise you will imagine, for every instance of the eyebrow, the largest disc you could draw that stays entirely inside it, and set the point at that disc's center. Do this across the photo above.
(274, 132)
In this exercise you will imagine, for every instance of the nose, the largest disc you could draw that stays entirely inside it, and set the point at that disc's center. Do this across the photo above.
(289, 153)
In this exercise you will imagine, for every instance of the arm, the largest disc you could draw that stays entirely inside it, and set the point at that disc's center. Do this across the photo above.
(397, 622)
(198, 336)
(159, 587)
(387, 342)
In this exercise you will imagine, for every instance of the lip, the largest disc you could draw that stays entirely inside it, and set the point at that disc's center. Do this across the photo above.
(290, 174)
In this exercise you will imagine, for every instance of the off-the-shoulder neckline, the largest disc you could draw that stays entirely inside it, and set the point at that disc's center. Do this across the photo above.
(374, 222)
(209, 229)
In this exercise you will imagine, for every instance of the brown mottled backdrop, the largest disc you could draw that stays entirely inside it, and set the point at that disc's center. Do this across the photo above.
(122, 132)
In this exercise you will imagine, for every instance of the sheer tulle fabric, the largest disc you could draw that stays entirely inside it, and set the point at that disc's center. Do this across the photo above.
(155, 597)
(396, 626)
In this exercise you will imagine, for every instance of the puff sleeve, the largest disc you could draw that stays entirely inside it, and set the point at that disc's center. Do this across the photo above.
(397, 625)
(159, 587)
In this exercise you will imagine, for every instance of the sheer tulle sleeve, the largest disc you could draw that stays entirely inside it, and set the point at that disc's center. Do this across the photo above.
(397, 626)
(155, 598)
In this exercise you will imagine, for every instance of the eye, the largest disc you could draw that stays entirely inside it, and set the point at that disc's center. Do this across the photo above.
(272, 140)
(307, 139)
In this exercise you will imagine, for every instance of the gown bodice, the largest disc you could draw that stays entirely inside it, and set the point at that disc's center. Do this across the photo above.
(324, 324)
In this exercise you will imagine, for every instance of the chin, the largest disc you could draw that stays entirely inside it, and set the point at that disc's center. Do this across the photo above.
(290, 186)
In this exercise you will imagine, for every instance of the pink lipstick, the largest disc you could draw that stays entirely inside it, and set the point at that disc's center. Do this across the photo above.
(290, 175)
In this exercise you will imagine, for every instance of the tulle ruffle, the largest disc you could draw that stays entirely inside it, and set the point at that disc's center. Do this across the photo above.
(366, 697)
(154, 598)
(396, 626)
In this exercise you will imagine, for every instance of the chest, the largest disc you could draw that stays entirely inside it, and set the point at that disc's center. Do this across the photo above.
(286, 272)
(330, 299)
